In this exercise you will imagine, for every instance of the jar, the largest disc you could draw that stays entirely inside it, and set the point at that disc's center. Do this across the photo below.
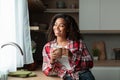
(60, 4)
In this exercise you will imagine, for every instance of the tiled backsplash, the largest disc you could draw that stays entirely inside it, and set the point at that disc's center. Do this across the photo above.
(111, 41)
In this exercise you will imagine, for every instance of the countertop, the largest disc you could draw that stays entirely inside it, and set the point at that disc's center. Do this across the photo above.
(109, 63)
(40, 76)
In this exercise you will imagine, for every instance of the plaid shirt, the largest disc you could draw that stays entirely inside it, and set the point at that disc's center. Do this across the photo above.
(81, 60)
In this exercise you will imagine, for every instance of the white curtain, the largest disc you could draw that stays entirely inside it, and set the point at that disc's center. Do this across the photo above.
(14, 27)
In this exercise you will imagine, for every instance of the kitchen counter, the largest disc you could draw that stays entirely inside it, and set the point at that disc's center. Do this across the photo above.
(110, 63)
(40, 76)
(106, 70)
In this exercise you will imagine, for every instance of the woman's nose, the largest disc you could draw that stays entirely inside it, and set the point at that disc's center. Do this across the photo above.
(57, 27)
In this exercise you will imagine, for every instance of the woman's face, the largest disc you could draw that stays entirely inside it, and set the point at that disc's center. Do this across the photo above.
(59, 28)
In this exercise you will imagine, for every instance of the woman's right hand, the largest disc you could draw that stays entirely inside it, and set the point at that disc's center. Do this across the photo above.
(55, 54)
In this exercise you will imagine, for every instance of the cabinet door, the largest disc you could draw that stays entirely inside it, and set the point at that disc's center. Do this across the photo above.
(110, 14)
(89, 14)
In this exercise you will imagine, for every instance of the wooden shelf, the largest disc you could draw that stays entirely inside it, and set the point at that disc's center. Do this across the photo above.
(37, 29)
(100, 31)
(62, 10)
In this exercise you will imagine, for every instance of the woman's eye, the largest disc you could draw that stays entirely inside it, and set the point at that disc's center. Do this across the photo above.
(59, 25)
(62, 25)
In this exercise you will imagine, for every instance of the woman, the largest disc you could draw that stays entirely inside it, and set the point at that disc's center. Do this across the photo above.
(66, 54)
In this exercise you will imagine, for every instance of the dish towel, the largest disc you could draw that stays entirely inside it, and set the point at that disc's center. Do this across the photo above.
(22, 74)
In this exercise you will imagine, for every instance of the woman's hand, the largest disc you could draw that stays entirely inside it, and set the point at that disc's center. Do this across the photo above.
(55, 54)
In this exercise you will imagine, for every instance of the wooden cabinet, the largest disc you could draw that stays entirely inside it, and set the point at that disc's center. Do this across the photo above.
(61, 4)
(70, 7)
(100, 15)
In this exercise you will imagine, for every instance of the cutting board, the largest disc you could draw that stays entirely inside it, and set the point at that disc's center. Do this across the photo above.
(100, 45)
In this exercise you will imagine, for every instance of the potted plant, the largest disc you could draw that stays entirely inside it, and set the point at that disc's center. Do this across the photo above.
(95, 53)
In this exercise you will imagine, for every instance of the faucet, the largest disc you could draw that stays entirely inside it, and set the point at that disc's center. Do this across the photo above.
(13, 44)
(4, 73)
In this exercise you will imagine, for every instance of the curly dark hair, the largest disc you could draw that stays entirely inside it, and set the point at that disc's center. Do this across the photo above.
(73, 32)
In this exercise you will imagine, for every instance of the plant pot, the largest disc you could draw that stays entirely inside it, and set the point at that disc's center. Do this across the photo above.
(95, 57)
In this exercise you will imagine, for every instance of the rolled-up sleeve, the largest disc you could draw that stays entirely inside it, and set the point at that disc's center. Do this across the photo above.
(46, 66)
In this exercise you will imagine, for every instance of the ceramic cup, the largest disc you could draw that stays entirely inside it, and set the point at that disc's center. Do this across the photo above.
(59, 51)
